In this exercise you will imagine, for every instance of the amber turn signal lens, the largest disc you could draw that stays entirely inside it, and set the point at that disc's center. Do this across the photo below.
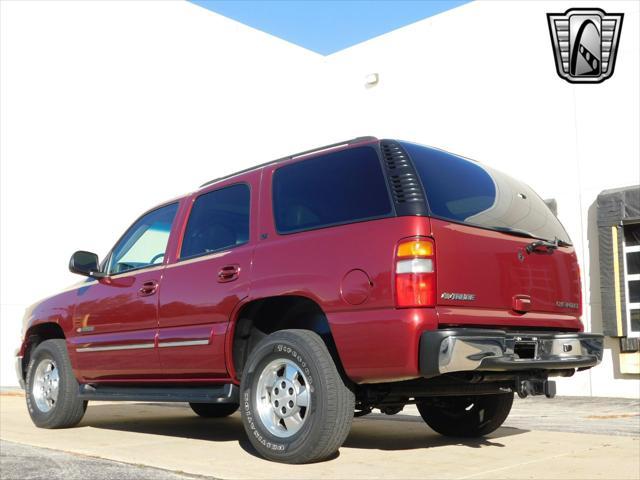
(415, 248)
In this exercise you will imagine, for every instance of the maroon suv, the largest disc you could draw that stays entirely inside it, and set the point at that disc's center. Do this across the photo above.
(365, 274)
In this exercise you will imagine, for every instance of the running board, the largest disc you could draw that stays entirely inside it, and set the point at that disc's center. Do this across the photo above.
(210, 394)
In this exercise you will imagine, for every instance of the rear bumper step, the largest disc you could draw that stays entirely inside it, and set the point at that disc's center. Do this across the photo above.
(210, 394)
(472, 349)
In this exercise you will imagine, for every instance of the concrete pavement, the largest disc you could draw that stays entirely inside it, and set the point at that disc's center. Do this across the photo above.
(171, 437)
(25, 462)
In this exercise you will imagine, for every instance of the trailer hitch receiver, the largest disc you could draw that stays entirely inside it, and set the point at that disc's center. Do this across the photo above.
(526, 387)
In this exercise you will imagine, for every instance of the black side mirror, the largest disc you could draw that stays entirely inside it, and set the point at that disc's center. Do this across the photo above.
(85, 263)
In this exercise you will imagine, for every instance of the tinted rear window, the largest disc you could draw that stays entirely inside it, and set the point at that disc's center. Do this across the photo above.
(337, 188)
(219, 220)
(465, 191)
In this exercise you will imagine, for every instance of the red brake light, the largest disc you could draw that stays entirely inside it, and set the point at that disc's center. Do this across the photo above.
(415, 273)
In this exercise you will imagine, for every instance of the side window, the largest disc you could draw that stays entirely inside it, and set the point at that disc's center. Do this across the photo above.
(219, 220)
(337, 188)
(145, 242)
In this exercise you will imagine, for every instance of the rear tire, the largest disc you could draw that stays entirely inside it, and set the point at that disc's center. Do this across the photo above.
(466, 416)
(214, 410)
(52, 391)
(295, 406)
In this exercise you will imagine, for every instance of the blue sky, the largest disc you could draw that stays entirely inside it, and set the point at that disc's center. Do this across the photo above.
(328, 26)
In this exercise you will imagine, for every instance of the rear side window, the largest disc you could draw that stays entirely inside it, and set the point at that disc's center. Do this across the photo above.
(464, 191)
(337, 188)
(219, 220)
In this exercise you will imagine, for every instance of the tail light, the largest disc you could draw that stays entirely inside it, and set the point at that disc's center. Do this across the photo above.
(579, 280)
(415, 273)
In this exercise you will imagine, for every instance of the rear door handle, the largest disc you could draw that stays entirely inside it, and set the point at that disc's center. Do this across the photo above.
(148, 288)
(228, 273)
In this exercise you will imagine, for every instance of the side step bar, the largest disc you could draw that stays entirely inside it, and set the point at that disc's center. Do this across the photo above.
(228, 393)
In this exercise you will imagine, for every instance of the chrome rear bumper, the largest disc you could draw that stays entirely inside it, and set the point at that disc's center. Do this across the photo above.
(467, 349)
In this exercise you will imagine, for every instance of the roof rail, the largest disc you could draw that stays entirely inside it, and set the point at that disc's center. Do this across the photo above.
(295, 155)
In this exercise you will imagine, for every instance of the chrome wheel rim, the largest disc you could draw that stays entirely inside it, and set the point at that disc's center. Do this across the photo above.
(283, 398)
(46, 382)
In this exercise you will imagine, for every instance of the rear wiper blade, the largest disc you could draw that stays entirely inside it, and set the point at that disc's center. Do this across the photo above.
(514, 231)
(550, 246)
(555, 243)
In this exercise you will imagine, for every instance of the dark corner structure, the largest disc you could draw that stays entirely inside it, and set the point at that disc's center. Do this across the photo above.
(618, 214)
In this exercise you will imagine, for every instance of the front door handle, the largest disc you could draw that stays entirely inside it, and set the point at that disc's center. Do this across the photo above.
(228, 273)
(148, 288)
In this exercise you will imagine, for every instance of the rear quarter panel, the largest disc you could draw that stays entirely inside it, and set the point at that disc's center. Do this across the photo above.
(375, 340)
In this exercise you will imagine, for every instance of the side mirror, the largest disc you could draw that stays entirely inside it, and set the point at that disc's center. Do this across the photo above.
(85, 263)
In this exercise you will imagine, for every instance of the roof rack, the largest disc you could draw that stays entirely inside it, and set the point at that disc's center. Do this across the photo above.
(295, 155)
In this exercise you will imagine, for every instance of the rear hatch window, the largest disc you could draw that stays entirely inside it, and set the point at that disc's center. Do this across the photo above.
(464, 191)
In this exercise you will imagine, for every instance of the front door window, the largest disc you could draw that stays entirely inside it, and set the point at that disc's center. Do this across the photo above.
(145, 242)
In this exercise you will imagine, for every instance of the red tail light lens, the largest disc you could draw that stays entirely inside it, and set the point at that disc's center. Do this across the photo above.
(415, 273)
(415, 290)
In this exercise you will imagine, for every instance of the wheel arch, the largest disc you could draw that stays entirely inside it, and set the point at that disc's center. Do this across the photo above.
(35, 335)
(258, 318)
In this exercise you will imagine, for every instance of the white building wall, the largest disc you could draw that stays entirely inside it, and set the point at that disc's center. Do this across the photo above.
(150, 99)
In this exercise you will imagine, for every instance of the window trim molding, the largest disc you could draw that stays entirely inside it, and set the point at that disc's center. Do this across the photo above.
(212, 252)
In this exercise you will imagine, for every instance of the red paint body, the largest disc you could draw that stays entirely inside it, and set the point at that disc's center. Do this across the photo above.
(347, 270)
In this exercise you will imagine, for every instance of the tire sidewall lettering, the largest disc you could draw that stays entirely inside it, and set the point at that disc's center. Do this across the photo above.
(29, 388)
(255, 431)
(299, 359)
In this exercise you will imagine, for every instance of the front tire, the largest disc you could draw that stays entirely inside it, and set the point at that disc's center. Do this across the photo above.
(295, 406)
(214, 410)
(51, 388)
(466, 416)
